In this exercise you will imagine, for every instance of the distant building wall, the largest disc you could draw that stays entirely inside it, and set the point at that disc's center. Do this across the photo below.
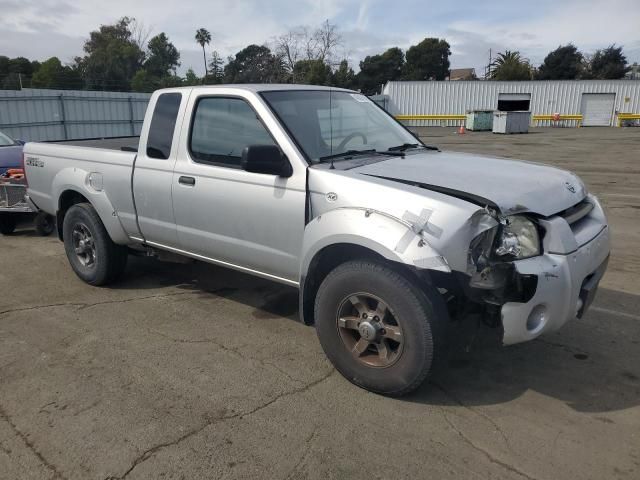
(45, 115)
(546, 98)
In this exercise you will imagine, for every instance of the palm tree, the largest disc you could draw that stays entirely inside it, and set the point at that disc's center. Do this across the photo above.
(203, 37)
(510, 66)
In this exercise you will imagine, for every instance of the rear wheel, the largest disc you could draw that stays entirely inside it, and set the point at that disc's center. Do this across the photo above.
(8, 223)
(91, 252)
(44, 223)
(380, 329)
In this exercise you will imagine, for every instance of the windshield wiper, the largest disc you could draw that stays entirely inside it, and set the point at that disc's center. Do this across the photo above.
(407, 146)
(348, 153)
(403, 147)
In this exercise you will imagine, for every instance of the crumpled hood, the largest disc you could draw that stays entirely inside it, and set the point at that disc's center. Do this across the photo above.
(510, 185)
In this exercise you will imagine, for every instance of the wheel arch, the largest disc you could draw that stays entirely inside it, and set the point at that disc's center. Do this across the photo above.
(333, 255)
(354, 233)
(70, 196)
(66, 200)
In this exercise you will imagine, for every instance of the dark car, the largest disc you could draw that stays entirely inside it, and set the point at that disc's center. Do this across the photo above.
(10, 153)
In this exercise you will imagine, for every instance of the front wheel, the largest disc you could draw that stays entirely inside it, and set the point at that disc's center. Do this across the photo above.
(91, 252)
(8, 222)
(380, 329)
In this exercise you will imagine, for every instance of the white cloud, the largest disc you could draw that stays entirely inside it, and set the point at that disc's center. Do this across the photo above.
(41, 28)
(587, 24)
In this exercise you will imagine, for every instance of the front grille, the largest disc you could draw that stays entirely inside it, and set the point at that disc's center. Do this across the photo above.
(577, 212)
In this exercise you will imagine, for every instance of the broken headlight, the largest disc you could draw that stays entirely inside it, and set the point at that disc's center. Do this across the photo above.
(518, 238)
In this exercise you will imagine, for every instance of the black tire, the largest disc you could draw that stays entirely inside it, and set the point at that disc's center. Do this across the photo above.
(44, 223)
(418, 309)
(108, 259)
(8, 222)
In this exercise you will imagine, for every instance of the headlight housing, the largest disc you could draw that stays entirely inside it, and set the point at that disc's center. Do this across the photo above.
(518, 238)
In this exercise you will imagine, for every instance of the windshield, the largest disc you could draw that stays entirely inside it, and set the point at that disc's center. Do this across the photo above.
(327, 123)
(6, 141)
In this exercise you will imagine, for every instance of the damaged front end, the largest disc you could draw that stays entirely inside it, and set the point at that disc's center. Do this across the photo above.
(491, 279)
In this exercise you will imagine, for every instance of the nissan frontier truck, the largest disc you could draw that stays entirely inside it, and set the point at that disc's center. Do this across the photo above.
(388, 239)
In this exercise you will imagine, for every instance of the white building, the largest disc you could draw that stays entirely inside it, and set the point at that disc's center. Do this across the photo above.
(577, 102)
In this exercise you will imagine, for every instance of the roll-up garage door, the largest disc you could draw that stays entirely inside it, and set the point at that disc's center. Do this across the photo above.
(510, 102)
(597, 109)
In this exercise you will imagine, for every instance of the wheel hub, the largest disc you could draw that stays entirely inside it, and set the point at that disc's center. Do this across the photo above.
(368, 331)
(84, 245)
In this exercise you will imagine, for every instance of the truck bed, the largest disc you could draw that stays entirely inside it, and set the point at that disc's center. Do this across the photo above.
(90, 168)
(108, 143)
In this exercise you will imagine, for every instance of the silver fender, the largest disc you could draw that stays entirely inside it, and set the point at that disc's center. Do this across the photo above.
(77, 180)
(391, 237)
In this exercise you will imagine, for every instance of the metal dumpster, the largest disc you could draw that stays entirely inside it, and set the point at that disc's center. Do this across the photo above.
(479, 120)
(511, 122)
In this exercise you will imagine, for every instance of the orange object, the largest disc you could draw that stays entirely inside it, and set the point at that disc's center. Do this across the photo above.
(556, 117)
(462, 130)
(15, 173)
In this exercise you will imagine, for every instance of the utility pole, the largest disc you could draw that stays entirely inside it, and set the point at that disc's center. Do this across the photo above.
(20, 80)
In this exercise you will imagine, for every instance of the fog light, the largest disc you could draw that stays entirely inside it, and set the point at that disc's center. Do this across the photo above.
(537, 319)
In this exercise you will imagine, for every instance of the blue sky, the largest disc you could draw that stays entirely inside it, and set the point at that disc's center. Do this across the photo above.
(43, 28)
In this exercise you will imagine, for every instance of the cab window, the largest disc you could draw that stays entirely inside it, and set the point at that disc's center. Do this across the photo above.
(222, 128)
(163, 124)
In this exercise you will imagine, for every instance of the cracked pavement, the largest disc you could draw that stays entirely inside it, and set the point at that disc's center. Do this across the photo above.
(194, 371)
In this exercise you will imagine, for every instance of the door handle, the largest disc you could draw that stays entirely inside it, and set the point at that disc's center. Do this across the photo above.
(190, 181)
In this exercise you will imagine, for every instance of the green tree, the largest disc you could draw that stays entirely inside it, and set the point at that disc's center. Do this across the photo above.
(344, 77)
(170, 81)
(19, 71)
(510, 66)
(112, 57)
(48, 74)
(52, 74)
(376, 70)
(428, 60)
(4, 65)
(564, 63)
(608, 63)
(216, 69)
(255, 64)
(203, 37)
(191, 79)
(143, 81)
(35, 65)
(21, 65)
(312, 72)
(163, 57)
(16, 72)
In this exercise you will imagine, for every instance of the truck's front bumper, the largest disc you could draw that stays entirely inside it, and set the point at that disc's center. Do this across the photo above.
(566, 287)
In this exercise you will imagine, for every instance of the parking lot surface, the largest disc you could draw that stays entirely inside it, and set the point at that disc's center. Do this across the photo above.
(194, 371)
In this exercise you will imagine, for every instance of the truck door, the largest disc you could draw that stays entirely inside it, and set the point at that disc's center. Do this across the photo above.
(249, 221)
(153, 174)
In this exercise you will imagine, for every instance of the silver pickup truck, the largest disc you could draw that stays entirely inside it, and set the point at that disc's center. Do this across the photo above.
(387, 239)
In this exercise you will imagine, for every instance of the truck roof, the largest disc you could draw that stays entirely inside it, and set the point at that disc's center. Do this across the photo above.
(260, 87)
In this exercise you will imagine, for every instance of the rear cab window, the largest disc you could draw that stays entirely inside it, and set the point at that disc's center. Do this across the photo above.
(163, 124)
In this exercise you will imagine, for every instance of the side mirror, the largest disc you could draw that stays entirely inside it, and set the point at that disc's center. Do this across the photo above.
(267, 159)
(20, 142)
